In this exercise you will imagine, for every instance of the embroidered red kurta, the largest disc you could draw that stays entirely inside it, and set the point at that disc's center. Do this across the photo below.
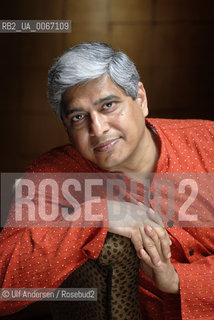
(44, 257)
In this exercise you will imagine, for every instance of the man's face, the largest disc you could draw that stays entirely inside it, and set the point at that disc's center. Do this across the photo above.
(104, 124)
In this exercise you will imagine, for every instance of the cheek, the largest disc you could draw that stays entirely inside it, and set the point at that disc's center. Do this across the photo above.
(79, 141)
(130, 121)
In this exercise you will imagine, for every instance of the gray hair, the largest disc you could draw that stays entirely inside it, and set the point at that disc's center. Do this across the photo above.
(86, 62)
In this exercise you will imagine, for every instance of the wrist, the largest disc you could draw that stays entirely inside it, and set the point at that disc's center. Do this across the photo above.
(175, 284)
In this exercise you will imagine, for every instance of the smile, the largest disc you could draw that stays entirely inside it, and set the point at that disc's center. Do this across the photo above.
(106, 146)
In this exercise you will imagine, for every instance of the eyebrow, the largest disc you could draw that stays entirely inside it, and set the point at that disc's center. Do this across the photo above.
(99, 101)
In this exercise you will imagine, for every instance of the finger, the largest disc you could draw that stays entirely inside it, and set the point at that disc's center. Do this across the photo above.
(150, 247)
(164, 240)
(159, 237)
(160, 231)
(154, 216)
(155, 220)
(147, 259)
(151, 233)
(137, 240)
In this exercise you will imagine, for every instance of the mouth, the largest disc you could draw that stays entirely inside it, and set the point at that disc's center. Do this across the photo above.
(106, 146)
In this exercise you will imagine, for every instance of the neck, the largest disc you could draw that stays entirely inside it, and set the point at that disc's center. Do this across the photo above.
(144, 162)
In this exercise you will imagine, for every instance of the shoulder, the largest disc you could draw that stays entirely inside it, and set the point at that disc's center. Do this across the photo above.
(187, 142)
(182, 124)
(61, 159)
(193, 129)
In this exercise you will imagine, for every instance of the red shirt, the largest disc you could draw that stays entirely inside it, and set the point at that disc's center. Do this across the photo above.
(44, 257)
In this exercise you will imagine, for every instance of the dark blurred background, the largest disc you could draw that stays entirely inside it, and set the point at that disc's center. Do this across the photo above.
(171, 42)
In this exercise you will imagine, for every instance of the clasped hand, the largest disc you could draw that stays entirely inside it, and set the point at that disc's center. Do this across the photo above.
(152, 243)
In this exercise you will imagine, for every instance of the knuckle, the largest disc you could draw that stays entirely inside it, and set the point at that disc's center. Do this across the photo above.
(155, 237)
(149, 244)
(162, 233)
(134, 231)
(155, 261)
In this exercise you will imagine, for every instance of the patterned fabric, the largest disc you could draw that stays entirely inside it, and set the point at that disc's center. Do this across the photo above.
(40, 257)
(115, 275)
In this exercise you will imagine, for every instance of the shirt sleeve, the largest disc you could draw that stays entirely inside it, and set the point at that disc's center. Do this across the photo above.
(197, 278)
(44, 255)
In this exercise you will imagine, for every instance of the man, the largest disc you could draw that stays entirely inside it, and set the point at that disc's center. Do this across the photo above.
(97, 94)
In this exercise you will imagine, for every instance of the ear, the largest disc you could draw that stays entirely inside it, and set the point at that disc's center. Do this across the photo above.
(141, 97)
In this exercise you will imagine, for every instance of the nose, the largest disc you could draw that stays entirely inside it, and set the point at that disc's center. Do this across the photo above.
(98, 124)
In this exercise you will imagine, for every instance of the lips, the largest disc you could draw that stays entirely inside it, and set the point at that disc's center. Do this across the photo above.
(106, 146)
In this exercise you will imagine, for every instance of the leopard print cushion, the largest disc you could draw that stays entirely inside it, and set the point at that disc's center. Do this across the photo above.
(115, 275)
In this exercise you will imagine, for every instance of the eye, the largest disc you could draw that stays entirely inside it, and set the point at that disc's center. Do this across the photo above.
(78, 117)
(108, 105)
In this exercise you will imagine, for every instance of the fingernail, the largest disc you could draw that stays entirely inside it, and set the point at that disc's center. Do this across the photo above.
(158, 263)
(149, 228)
(170, 242)
(169, 255)
(151, 212)
(142, 252)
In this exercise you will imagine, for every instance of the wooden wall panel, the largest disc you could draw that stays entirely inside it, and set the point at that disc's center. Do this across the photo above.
(171, 43)
(87, 11)
(180, 10)
(86, 32)
(134, 40)
(33, 91)
(39, 50)
(133, 11)
(89, 21)
(39, 129)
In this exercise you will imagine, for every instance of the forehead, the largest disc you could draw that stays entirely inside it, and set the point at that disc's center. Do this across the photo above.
(92, 91)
